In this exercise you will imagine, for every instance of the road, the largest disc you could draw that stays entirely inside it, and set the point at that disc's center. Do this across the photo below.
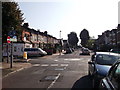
(56, 71)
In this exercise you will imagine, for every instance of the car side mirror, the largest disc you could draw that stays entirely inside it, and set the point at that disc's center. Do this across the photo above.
(90, 62)
(93, 57)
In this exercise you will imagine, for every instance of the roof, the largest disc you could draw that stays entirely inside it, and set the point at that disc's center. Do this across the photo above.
(108, 53)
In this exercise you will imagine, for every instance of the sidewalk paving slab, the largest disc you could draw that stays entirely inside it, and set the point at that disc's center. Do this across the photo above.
(16, 66)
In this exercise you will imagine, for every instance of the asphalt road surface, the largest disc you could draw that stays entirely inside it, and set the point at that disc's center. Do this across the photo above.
(68, 71)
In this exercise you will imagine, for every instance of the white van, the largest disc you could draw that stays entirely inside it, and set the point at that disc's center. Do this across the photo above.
(35, 52)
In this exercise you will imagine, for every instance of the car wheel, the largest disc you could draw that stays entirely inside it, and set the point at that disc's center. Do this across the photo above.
(94, 83)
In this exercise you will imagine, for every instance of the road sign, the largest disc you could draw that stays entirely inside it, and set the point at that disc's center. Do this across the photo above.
(8, 39)
(12, 33)
(13, 39)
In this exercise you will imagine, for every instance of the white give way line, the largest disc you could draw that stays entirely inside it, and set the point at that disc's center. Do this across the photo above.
(53, 65)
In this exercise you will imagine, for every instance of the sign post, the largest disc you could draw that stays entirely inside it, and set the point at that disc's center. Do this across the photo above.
(11, 40)
(8, 41)
(11, 60)
(7, 52)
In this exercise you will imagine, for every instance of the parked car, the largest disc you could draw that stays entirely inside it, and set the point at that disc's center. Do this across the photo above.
(48, 48)
(68, 50)
(112, 80)
(35, 51)
(100, 64)
(42, 52)
(72, 49)
(85, 51)
(115, 50)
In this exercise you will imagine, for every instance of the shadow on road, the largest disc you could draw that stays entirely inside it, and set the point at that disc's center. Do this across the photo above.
(83, 82)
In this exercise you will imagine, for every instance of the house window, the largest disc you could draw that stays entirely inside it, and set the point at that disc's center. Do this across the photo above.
(22, 49)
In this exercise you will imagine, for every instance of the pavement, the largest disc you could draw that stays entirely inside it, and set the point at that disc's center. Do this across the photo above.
(17, 65)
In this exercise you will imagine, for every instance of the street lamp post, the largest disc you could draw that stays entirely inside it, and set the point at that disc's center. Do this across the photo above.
(60, 34)
(60, 42)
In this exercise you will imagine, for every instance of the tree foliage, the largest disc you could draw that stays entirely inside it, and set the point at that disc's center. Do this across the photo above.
(90, 43)
(72, 39)
(84, 36)
(12, 17)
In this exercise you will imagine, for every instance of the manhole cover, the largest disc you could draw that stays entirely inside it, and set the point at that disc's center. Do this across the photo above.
(50, 78)
(61, 69)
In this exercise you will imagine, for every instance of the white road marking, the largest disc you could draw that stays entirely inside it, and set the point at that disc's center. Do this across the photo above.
(36, 65)
(54, 64)
(74, 59)
(53, 81)
(56, 60)
(64, 65)
(44, 65)
(89, 59)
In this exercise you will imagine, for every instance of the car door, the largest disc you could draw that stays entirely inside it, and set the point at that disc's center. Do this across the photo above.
(28, 51)
(92, 65)
(36, 51)
(112, 81)
(115, 79)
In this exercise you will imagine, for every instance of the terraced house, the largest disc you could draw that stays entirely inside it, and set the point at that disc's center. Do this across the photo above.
(31, 38)
(109, 39)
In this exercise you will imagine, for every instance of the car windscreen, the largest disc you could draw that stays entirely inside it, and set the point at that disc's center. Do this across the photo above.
(27, 49)
(30, 49)
(106, 59)
(85, 50)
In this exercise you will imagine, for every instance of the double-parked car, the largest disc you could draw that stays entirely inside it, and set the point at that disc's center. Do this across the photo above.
(100, 64)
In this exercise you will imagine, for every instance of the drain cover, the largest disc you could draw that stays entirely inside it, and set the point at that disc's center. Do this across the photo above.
(61, 69)
(50, 78)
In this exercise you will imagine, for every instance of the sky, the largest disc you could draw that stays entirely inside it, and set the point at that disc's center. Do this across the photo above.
(66, 16)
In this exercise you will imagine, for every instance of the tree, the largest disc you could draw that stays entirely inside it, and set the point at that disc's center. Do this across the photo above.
(90, 43)
(84, 36)
(11, 18)
(73, 39)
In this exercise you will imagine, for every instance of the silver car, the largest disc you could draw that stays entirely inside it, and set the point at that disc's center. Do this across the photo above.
(85, 51)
